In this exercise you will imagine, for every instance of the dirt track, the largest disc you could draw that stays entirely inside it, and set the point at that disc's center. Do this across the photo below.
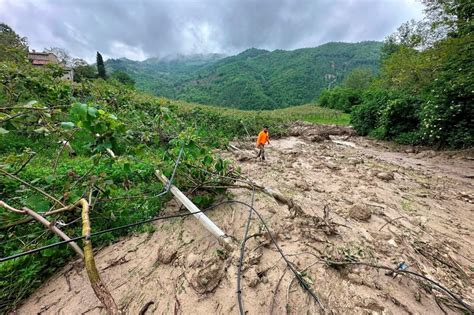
(384, 207)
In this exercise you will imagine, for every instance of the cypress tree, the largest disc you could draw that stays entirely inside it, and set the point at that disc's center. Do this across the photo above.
(101, 66)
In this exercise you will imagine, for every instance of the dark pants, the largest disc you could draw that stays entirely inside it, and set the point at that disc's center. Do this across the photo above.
(261, 152)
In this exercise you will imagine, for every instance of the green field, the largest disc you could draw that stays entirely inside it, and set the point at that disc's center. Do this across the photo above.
(308, 112)
(226, 123)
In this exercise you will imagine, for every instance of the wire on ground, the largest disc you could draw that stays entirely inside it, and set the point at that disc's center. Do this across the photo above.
(242, 253)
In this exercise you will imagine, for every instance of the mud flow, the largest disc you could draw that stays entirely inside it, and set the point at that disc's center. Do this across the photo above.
(353, 200)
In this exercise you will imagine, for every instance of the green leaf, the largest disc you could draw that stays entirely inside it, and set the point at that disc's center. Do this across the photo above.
(92, 111)
(79, 111)
(37, 203)
(49, 179)
(67, 125)
(3, 131)
(42, 130)
(197, 199)
(48, 252)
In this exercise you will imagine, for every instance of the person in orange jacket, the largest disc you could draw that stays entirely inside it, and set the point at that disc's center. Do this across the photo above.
(262, 139)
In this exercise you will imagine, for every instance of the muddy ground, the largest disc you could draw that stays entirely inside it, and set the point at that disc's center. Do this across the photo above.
(360, 200)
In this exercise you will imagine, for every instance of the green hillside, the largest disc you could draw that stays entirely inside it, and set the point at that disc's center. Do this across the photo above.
(160, 76)
(255, 78)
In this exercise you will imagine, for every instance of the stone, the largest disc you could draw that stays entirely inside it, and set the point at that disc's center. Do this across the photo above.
(253, 278)
(332, 166)
(360, 212)
(316, 138)
(192, 260)
(166, 255)
(392, 242)
(206, 279)
(386, 176)
(354, 161)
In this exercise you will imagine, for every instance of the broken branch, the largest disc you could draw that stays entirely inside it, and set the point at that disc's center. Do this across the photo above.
(98, 286)
(54, 229)
(32, 187)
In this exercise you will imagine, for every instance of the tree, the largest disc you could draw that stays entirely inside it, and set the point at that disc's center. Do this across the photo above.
(101, 67)
(452, 16)
(424, 91)
(123, 78)
(63, 55)
(12, 46)
(359, 78)
(82, 70)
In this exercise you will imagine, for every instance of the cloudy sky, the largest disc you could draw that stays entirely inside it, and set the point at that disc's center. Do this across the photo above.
(138, 29)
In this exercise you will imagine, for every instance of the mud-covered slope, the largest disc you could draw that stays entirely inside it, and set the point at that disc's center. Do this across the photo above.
(382, 207)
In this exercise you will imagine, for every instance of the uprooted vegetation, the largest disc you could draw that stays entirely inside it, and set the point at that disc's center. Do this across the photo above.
(61, 142)
(345, 229)
(102, 141)
(333, 213)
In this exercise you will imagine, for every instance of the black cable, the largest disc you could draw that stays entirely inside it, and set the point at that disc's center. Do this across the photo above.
(451, 294)
(242, 253)
(36, 250)
(298, 276)
(164, 192)
(289, 264)
(179, 215)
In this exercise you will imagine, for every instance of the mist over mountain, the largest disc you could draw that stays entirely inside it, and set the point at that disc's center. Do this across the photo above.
(252, 79)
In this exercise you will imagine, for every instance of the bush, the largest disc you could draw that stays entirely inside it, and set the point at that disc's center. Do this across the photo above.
(389, 115)
(340, 98)
(400, 116)
(448, 112)
(365, 117)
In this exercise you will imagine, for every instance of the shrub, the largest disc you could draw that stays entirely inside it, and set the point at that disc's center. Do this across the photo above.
(365, 117)
(340, 98)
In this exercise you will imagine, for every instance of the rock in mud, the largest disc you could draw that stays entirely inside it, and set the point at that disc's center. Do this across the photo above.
(360, 212)
(166, 255)
(386, 176)
(253, 278)
(254, 257)
(332, 166)
(206, 279)
(354, 161)
(392, 242)
(421, 221)
(316, 138)
(302, 185)
(192, 260)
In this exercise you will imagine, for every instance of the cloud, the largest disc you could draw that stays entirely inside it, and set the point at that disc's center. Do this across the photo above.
(138, 29)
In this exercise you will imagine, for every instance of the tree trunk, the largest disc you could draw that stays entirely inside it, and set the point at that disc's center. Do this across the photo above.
(98, 286)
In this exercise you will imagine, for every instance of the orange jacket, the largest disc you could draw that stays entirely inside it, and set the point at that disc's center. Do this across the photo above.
(263, 137)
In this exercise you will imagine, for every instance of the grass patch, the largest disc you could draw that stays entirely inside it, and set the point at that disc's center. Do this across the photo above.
(308, 112)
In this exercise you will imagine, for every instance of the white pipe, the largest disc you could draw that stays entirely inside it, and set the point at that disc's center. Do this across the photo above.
(223, 238)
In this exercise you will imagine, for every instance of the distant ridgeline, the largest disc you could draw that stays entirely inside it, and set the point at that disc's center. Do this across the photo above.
(253, 79)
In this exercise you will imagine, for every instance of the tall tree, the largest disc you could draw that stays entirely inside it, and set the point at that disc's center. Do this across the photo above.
(452, 16)
(101, 66)
(82, 70)
(12, 46)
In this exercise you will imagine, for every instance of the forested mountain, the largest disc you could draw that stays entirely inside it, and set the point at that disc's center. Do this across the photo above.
(159, 76)
(253, 79)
